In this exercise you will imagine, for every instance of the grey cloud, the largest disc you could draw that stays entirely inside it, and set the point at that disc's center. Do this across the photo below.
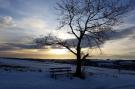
(4, 47)
(15, 46)
(123, 33)
(133, 37)
(22, 46)
(6, 22)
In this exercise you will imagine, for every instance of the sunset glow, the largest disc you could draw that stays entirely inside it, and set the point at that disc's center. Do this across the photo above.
(58, 51)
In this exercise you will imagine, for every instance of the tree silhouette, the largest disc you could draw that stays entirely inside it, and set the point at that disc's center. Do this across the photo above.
(88, 21)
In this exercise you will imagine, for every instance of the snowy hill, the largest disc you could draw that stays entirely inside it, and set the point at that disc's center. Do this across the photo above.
(26, 74)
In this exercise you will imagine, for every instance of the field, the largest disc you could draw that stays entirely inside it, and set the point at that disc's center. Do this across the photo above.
(29, 74)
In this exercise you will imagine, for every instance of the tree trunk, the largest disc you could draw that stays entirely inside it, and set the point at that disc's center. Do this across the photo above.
(78, 66)
(78, 72)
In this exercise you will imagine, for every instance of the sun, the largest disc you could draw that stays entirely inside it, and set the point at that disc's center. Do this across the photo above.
(58, 51)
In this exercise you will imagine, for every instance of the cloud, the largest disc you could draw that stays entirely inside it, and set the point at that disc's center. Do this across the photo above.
(19, 34)
(29, 26)
(123, 46)
(123, 33)
(32, 23)
(16, 46)
(15, 36)
(121, 42)
(6, 22)
(22, 46)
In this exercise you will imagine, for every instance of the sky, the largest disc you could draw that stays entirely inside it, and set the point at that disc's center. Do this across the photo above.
(21, 21)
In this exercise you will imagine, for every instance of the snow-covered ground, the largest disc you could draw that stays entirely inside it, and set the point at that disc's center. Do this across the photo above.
(97, 78)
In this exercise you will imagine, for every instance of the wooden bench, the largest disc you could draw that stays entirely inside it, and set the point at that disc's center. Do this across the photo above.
(61, 71)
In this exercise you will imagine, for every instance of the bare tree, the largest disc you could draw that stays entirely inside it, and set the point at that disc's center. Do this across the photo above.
(89, 21)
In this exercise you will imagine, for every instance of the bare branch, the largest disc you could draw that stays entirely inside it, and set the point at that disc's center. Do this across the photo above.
(64, 44)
